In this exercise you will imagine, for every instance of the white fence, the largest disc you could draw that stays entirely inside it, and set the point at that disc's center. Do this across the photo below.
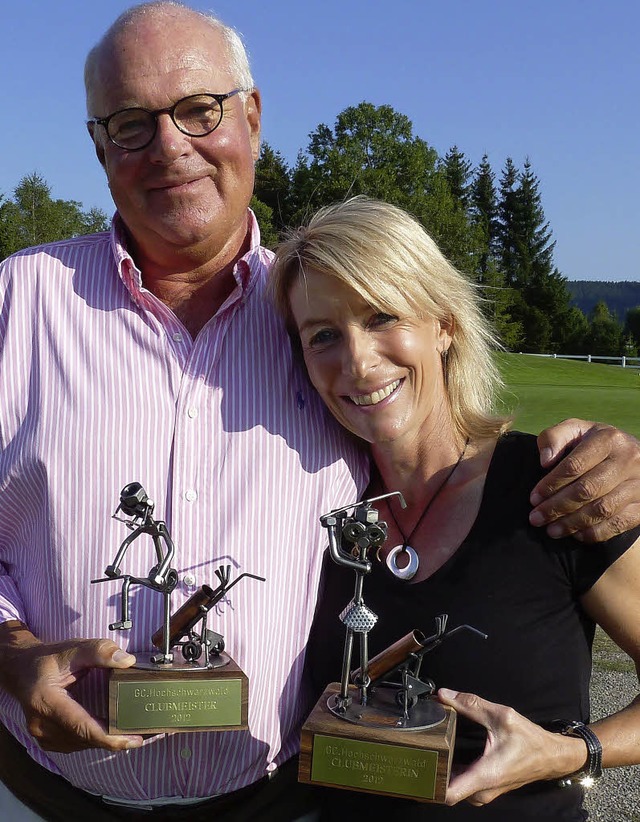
(625, 362)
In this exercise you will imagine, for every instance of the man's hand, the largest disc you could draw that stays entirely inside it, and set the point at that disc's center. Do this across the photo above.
(38, 676)
(516, 752)
(594, 492)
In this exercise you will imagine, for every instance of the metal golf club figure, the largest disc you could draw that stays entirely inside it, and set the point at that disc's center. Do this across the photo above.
(380, 702)
(179, 629)
(206, 690)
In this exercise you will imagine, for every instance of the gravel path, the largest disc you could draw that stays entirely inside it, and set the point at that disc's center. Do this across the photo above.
(616, 797)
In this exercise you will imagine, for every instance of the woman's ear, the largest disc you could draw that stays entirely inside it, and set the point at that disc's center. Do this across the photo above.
(444, 331)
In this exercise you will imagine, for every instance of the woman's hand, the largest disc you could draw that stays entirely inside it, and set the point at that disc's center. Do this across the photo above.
(517, 751)
(594, 491)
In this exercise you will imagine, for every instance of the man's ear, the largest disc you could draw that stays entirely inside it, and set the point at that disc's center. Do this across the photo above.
(99, 148)
(253, 112)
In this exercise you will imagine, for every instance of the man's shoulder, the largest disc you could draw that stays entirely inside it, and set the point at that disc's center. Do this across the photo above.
(261, 256)
(77, 266)
(64, 253)
(70, 246)
(51, 261)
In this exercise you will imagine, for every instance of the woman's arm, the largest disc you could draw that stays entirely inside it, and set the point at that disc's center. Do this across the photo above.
(614, 603)
(518, 751)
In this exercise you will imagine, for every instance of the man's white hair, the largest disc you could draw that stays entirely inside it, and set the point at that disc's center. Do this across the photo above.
(238, 59)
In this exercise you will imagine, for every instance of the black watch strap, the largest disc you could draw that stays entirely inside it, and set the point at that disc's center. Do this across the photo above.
(593, 769)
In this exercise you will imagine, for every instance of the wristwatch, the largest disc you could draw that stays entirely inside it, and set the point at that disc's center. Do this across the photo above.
(593, 769)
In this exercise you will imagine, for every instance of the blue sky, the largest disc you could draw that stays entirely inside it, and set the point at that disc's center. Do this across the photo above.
(556, 81)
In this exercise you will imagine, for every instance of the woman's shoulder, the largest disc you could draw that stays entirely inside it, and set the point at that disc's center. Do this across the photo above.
(514, 471)
(516, 455)
(518, 442)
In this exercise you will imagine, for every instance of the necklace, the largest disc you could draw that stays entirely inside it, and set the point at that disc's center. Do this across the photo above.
(410, 569)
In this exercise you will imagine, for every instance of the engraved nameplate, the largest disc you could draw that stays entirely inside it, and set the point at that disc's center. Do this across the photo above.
(172, 704)
(357, 764)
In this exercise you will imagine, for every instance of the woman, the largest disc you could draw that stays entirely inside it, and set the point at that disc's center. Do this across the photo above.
(394, 341)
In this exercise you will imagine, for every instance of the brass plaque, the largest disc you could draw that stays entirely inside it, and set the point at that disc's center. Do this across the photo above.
(175, 703)
(375, 766)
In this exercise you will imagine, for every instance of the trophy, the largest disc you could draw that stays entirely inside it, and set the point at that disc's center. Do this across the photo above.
(381, 729)
(204, 690)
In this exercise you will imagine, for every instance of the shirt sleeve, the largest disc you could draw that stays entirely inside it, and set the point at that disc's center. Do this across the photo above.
(583, 564)
(11, 606)
(587, 563)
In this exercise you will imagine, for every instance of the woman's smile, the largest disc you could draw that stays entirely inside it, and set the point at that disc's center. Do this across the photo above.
(377, 396)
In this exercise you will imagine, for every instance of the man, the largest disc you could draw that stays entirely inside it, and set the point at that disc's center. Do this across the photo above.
(152, 354)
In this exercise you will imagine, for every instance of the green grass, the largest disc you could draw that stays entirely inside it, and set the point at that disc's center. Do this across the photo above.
(608, 657)
(541, 391)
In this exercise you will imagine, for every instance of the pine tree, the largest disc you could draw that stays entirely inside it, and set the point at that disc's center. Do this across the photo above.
(484, 216)
(526, 255)
(533, 243)
(507, 222)
(273, 186)
(457, 172)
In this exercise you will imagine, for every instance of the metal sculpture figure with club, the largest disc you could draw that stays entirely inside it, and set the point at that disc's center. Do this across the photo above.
(367, 698)
(202, 649)
(136, 505)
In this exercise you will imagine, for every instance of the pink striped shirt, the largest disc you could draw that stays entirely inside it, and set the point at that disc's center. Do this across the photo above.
(101, 385)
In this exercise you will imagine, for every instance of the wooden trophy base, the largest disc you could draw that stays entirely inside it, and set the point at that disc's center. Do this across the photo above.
(178, 698)
(391, 761)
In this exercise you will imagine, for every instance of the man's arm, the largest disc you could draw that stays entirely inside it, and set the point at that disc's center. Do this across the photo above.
(594, 491)
(38, 676)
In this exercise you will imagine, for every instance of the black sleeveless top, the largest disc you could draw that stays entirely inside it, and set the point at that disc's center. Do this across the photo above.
(515, 584)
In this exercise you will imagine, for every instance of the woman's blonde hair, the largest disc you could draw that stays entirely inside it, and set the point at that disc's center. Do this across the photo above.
(387, 257)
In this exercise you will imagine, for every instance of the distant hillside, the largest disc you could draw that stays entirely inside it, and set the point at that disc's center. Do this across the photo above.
(620, 297)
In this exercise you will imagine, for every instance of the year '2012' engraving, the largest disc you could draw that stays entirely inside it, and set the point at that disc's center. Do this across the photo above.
(394, 769)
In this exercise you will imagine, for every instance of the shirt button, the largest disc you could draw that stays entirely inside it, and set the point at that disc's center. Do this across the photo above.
(189, 580)
(192, 413)
(177, 337)
(185, 753)
(191, 495)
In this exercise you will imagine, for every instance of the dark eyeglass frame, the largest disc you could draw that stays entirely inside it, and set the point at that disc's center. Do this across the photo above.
(219, 98)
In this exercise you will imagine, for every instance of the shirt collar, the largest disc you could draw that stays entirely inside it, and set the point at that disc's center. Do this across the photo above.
(245, 270)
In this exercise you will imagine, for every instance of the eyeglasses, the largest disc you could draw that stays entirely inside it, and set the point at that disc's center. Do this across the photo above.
(196, 116)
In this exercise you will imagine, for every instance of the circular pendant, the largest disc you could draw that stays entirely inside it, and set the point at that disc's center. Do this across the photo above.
(410, 569)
